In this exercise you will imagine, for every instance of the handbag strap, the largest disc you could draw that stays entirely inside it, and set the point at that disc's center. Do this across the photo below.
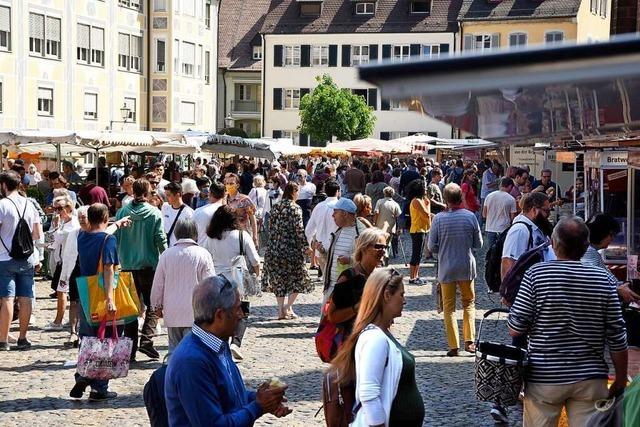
(175, 220)
(103, 327)
(100, 266)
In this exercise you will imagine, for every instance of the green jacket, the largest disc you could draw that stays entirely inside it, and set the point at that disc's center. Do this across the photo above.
(140, 244)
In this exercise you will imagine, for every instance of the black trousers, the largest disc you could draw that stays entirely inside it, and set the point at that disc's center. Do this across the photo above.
(143, 280)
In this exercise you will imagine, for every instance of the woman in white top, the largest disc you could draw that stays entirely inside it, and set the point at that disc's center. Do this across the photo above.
(223, 242)
(63, 206)
(382, 369)
(258, 196)
(33, 175)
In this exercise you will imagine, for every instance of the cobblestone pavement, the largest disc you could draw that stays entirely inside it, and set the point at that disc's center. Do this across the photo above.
(34, 385)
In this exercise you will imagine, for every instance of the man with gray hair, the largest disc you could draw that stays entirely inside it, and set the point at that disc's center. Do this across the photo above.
(570, 311)
(180, 268)
(203, 386)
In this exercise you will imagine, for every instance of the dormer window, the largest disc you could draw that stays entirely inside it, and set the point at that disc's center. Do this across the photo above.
(257, 52)
(310, 8)
(421, 6)
(365, 8)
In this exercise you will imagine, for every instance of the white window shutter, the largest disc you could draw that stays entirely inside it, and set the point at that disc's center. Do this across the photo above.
(97, 38)
(83, 36)
(53, 29)
(44, 93)
(136, 46)
(5, 19)
(123, 44)
(36, 26)
(188, 53)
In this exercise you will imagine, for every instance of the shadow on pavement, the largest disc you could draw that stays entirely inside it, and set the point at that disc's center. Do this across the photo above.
(302, 335)
(49, 403)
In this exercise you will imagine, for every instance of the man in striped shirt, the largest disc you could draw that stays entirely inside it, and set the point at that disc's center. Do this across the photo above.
(570, 312)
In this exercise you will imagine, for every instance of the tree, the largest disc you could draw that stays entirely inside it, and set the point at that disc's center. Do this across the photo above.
(329, 111)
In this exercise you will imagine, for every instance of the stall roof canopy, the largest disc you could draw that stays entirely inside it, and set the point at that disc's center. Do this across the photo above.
(551, 93)
(238, 146)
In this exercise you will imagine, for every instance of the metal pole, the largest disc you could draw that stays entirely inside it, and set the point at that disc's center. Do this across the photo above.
(575, 176)
(601, 189)
(58, 157)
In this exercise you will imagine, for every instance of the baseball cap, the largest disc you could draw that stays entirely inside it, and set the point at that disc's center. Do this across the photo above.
(343, 204)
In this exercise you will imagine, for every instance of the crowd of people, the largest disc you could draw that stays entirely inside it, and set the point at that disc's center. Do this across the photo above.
(194, 240)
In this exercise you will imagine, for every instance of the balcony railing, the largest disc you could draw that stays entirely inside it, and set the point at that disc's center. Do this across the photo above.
(245, 106)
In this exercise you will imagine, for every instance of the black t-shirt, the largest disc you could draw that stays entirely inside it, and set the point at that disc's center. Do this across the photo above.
(348, 293)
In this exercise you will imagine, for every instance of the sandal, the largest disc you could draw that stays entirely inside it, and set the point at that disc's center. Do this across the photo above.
(291, 315)
(452, 353)
(73, 341)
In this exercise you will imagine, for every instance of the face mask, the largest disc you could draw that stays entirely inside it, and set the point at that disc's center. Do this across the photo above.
(231, 188)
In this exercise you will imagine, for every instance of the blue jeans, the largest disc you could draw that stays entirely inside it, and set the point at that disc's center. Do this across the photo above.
(16, 278)
(491, 238)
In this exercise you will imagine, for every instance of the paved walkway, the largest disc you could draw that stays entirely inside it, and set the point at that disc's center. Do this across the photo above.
(34, 385)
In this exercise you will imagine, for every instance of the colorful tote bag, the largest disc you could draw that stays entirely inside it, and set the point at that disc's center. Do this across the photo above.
(103, 358)
(329, 337)
(93, 295)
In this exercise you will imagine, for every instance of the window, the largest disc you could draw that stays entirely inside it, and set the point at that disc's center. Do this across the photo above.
(396, 105)
(291, 99)
(257, 52)
(199, 61)
(90, 48)
(5, 28)
(480, 42)
(161, 65)
(430, 50)
(159, 5)
(0, 97)
(176, 57)
(244, 92)
(189, 7)
(91, 106)
(310, 9)
(130, 103)
(188, 58)
(293, 134)
(131, 4)
(130, 52)
(319, 56)
(359, 54)
(553, 37)
(420, 6)
(207, 70)
(291, 56)
(397, 134)
(599, 7)
(517, 39)
(188, 113)
(45, 102)
(401, 52)
(365, 8)
(44, 40)
(207, 14)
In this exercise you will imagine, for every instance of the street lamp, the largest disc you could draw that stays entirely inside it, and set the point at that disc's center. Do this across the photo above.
(228, 121)
(124, 113)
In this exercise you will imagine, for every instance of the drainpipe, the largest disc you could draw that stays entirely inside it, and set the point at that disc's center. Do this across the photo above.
(149, 23)
(264, 72)
(224, 95)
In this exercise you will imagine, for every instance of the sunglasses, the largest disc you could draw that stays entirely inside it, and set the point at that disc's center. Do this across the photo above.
(58, 209)
(379, 246)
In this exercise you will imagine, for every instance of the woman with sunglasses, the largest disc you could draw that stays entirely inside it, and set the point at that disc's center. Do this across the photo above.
(342, 306)
(382, 369)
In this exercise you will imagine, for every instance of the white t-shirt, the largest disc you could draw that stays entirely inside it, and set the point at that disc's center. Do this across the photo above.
(307, 191)
(500, 205)
(223, 251)
(202, 217)
(169, 215)
(9, 217)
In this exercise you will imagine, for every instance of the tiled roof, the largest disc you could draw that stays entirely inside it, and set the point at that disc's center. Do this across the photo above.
(482, 10)
(239, 27)
(391, 16)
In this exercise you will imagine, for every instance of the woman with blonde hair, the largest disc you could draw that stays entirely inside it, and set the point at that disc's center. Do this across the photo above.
(364, 209)
(342, 306)
(381, 368)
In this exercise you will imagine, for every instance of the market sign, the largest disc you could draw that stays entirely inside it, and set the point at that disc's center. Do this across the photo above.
(606, 159)
(565, 157)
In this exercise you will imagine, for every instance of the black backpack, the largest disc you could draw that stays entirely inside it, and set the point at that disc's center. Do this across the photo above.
(22, 242)
(153, 396)
(493, 258)
(511, 283)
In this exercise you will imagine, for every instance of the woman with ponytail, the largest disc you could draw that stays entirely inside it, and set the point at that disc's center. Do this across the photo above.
(381, 368)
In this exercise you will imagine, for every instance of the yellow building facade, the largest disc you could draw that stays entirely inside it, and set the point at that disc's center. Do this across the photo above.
(67, 64)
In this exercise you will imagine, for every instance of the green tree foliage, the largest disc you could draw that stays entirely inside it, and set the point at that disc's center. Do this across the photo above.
(329, 111)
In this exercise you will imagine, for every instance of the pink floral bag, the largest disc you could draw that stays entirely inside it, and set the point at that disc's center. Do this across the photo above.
(103, 358)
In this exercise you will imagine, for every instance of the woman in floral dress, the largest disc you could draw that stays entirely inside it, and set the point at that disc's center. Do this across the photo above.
(285, 273)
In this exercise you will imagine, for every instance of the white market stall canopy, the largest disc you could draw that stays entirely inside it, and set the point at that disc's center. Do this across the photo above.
(137, 141)
(371, 145)
(549, 93)
(239, 146)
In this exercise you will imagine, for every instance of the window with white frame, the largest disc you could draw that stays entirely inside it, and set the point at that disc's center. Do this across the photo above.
(291, 99)
(130, 103)
(400, 52)
(365, 8)
(257, 53)
(244, 92)
(5, 28)
(90, 43)
(44, 36)
(517, 39)
(293, 134)
(430, 50)
(159, 5)
(481, 42)
(291, 56)
(319, 56)
(188, 113)
(398, 134)
(603, 8)
(199, 61)
(161, 55)
(188, 58)
(91, 106)
(176, 57)
(553, 37)
(189, 7)
(132, 4)
(207, 69)
(359, 54)
(130, 52)
(45, 101)
(397, 105)
(207, 14)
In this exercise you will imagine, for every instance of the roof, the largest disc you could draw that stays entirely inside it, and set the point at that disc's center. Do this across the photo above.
(238, 31)
(391, 16)
(483, 10)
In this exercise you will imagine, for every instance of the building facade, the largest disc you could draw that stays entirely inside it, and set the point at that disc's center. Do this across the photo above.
(77, 65)
(305, 39)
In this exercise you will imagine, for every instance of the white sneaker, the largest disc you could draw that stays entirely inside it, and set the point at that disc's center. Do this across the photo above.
(52, 326)
(235, 352)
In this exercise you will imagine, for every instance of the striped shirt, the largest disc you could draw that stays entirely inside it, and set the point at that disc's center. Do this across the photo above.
(593, 257)
(570, 311)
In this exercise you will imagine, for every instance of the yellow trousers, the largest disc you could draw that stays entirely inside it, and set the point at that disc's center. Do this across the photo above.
(468, 297)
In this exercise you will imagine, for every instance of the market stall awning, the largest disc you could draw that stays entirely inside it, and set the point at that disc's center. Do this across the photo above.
(371, 145)
(551, 93)
(235, 145)
(110, 141)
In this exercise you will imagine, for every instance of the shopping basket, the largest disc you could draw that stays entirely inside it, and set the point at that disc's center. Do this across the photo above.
(499, 368)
